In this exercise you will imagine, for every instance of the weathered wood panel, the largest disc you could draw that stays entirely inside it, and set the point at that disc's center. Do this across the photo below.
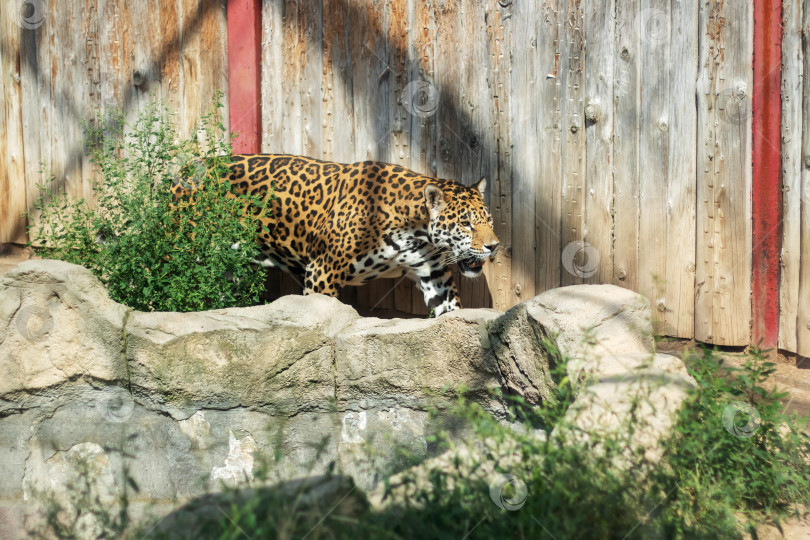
(12, 170)
(654, 149)
(602, 166)
(599, 175)
(572, 60)
(679, 297)
(626, 103)
(803, 318)
(79, 60)
(499, 273)
(527, 41)
(582, 114)
(723, 296)
(791, 256)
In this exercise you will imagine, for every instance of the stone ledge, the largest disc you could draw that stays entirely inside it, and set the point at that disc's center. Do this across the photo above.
(206, 395)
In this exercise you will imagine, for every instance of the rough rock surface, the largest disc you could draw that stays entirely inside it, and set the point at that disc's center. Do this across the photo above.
(606, 334)
(191, 401)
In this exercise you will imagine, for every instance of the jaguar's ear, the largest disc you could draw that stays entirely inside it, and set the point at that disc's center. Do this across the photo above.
(434, 199)
(482, 185)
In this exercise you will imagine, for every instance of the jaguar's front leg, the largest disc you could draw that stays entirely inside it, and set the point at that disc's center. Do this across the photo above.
(439, 290)
(322, 277)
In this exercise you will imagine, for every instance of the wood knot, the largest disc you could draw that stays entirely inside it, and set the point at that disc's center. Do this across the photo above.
(593, 112)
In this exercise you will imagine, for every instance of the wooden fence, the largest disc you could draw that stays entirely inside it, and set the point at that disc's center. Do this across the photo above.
(794, 297)
(65, 61)
(617, 135)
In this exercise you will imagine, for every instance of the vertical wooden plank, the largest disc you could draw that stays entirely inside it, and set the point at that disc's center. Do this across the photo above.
(500, 40)
(154, 51)
(89, 28)
(530, 57)
(65, 128)
(446, 85)
(110, 53)
(330, 32)
(376, 81)
(36, 104)
(170, 47)
(311, 23)
(423, 157)
(400, 153)
(766, 112)
(723, 296)
(573, 138)
(291, 79)
(272, 82)
(626, 87)
(215, 65)
(803, 319)
(462, 92)
(654, 148)
(125, 32)
(336, 112)
(679, 299)
(12, 173)
(190, 66)
(482, 139)
(339, 80)
(244, 53)
(792, 75)
(599, 71)
(369, 53)
(477, 140)
(138, 78)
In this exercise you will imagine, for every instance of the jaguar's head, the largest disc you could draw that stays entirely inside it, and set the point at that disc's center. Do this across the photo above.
(461, 223)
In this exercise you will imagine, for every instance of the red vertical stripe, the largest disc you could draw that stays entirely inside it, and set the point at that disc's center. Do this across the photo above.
(244, 79)
(767, 114)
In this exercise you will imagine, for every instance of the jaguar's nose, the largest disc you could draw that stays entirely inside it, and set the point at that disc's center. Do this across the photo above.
(492, 247)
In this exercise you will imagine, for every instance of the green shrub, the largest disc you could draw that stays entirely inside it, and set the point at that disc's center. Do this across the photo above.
(152, 251)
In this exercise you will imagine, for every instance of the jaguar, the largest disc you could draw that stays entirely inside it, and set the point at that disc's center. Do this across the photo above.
(346, 224)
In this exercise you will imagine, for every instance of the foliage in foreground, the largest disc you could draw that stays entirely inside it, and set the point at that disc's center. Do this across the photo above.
(152, 251)
(720, 474)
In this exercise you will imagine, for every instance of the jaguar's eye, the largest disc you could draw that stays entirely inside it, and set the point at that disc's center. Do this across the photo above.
(468, 225)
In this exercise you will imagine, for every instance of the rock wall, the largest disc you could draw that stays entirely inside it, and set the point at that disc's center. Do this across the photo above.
(189, 401)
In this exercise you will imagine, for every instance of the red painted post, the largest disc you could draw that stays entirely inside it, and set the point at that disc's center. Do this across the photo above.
(244, 74)
(766, 203)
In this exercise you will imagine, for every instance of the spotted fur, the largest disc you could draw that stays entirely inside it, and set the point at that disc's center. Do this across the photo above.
(343, 225)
